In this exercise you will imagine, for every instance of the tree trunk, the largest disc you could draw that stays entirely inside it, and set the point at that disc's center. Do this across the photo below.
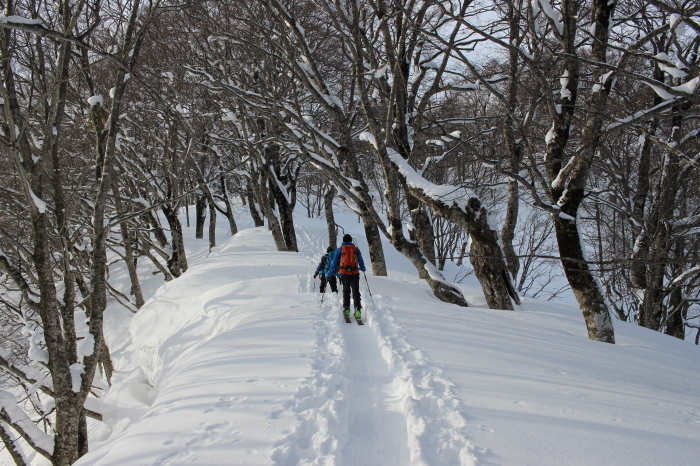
(582, 282)
(677, 305)
(330, 218)
(485, 252)
(639, 201)
(443, 291)
(106, 362)
(485, 256)
(212, 225)
(201, 216)
(569, 194)
(374, 242)
(262, 196)
(286, 201)
(462, 253)
(425, 235)
(82, 434)
(129, 257)
(229, 207)
(513, 150)
(178, 260)
(508, 230)
(253, 207)
(157, 230)
(651, 312)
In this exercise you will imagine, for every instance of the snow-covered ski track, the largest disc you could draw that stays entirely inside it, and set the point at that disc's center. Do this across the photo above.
(320, 403)
(434, 416)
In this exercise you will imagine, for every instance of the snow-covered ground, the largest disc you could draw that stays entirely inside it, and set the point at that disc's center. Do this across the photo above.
(239, 362)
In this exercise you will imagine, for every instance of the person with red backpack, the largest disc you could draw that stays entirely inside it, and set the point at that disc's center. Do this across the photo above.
(348, 264)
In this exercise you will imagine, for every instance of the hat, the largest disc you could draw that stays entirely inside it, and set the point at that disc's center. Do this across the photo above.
(347, 238)
(330, 249)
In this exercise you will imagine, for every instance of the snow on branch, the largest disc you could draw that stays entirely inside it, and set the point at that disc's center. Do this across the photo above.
(686, 88)
(685, 275)
(369, 137)
(639, 115)
(554, 16)
(20, 20)
(11, 413)
(448, 194)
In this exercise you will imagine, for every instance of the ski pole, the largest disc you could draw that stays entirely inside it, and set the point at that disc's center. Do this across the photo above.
(370, 291)
(314, 288)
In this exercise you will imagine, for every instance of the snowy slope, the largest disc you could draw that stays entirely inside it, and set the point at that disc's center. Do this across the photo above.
(238, 362)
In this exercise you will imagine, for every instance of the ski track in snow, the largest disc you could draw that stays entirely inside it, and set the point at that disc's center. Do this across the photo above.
(320, 403)
(372, 398)
(434, 415)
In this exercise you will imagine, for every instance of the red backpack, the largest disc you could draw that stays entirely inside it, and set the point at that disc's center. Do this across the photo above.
(348, 260)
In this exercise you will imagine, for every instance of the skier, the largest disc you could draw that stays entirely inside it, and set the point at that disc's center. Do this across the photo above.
(348, 263)
(322, 269)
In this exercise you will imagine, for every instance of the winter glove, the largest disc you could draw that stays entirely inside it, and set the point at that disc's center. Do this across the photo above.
(315, 275)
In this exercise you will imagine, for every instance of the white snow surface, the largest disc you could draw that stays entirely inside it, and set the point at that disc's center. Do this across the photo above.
(239, 362)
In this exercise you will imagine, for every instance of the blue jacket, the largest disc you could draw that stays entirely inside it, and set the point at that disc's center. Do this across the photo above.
(325, 263)
(335, 263)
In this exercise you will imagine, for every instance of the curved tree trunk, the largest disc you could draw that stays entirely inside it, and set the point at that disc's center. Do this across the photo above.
(486, 255)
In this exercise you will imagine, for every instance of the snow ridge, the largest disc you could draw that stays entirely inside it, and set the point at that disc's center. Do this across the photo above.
(436, 425)
(320, 403)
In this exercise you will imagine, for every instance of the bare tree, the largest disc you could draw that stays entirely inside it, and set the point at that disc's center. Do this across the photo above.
(66, 237)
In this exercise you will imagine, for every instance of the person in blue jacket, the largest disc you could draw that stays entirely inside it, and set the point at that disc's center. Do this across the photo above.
(322, 269)
(348, 263)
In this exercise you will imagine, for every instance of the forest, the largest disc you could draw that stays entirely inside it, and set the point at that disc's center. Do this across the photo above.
(547, 145)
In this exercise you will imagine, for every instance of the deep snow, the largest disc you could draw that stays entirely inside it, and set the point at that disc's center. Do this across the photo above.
(239, 362)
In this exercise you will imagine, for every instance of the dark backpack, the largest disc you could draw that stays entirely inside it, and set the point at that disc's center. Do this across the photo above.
(323, 266)
(348, 260)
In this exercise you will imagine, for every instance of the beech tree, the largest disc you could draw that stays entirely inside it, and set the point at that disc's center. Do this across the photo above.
(58, 268)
